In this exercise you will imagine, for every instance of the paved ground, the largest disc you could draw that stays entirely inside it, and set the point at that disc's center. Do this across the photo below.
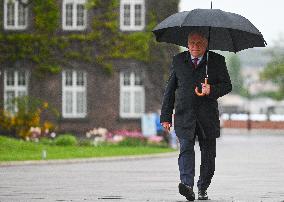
(250, 167)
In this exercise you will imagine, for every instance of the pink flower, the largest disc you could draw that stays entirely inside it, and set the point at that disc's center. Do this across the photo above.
(155, 139)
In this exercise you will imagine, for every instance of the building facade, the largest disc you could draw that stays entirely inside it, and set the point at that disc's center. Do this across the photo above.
(83, 94)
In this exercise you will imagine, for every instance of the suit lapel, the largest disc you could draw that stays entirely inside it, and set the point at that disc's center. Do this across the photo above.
(203, 60)
(189, 62)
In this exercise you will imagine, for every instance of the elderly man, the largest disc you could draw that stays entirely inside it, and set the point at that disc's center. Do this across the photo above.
(195, 115)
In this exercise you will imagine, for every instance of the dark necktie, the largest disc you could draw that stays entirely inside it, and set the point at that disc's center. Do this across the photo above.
(195, 60)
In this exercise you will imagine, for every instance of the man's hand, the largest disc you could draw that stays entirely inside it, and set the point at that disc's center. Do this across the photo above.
(166, 125)
(205, 88)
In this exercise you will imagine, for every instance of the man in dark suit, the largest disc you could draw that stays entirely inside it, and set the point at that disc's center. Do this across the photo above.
(195, 115)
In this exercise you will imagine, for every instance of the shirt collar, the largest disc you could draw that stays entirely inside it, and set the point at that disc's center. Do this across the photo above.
(189, 57)
(199, 58)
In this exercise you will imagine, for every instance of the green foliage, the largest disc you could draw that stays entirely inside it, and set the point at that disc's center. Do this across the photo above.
(46, 141)
(112, 43)
(38, 47)
(46, 16)
(272, 94)
(50, 51)
(13, 149)
(234, 68)
(133, 142)
(85, 143)
(66, 140)
(28, 114)
(162, 144)
(274, 71)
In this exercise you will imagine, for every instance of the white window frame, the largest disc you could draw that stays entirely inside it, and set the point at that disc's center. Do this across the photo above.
(132, 88)
(16, 26)
(74, 16)
(74, 89)
(132, 26)
(15, 88)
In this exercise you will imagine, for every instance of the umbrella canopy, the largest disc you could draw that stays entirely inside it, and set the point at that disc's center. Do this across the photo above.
(227, 31)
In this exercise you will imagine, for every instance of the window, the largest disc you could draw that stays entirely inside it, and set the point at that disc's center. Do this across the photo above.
(74, 94)
(15, 15)
(132, 15)
(132, 95)
(15, 85)
(74, 15)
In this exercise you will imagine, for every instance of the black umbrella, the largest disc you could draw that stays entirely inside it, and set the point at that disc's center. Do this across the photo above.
(227, 31)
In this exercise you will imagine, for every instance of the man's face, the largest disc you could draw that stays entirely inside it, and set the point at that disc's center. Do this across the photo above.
(197, 45)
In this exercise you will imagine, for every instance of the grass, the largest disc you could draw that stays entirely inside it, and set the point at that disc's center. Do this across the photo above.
(18, 150)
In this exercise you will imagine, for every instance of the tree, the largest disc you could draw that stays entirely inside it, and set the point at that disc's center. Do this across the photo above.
(274, 71)
(234, 68)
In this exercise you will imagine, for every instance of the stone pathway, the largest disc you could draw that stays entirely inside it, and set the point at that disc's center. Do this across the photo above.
(249, 167)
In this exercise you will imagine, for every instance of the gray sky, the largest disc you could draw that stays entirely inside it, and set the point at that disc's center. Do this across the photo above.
(267, 16)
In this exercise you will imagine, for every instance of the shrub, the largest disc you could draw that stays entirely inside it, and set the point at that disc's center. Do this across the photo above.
(85, 143)
(46, 141)
(133, 141)
(28, 115)
(66, 140)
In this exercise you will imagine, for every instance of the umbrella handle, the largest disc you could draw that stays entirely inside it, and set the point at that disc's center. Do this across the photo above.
(196, 89)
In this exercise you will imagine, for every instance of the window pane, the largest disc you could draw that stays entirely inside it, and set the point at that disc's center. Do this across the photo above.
(126, 79)
(22, 15)
(68, 102)
(138, 14)
(126, 16)
(80, 78)
(10, 96)
(138, 79)
(80, 15)
(137, 102)
(21, 78)
(10, 13)
(69, 14)
(81, 97)
(126, 102)
(10, 78)
(68, 78)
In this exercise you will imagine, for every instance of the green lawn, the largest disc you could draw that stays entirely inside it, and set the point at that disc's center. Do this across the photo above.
(17, 150)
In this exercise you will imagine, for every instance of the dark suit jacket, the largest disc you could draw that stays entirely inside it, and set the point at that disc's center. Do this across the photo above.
(194, 114)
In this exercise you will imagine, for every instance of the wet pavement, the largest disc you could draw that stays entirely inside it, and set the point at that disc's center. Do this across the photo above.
(249, 167)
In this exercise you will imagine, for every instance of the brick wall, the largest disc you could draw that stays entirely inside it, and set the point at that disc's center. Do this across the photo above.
(254, 124)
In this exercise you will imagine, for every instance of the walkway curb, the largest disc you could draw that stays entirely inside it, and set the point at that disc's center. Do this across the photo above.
(88, 160)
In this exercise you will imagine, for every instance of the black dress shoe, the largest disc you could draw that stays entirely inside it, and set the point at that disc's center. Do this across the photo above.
(202, 195)
(186, 191)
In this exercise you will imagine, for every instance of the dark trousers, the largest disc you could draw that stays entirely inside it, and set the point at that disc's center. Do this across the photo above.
(186, 162)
